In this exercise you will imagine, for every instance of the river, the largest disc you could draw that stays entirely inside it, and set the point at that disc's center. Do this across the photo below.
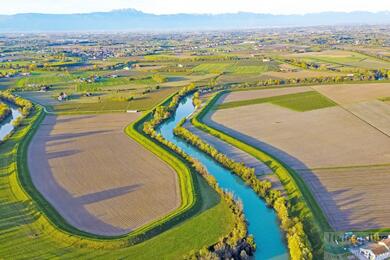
(6, 125)
(263, 222)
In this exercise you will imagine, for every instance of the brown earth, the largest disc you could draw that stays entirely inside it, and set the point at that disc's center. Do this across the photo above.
(353, 198)
(342, 152)
(326, 137)
(99, 179)
(353, 93)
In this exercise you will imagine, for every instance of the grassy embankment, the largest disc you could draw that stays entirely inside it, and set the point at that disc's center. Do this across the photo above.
(303, 203)
(26, 232)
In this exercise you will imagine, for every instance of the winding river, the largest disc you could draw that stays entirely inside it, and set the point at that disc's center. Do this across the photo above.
(263, 223)
(6, 125)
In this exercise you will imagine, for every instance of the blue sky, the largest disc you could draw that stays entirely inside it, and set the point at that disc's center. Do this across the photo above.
(193, 6)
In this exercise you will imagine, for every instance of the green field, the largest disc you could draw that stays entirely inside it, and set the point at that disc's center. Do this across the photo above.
(233, 68)
(300, 102)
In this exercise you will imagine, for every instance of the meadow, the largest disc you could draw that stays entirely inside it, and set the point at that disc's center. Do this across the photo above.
(306, 101)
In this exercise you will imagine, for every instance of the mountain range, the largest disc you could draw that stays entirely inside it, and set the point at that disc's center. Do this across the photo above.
(133, 20)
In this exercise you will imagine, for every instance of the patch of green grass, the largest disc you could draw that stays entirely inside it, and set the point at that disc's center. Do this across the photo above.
(106, 104)
(212, 67)
(385, 99)
(233, 68)
(300, 102)
(26, 232)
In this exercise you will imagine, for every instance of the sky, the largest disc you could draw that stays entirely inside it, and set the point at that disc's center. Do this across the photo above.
(193, 6)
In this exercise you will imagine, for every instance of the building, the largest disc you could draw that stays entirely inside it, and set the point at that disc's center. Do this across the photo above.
(377, 251)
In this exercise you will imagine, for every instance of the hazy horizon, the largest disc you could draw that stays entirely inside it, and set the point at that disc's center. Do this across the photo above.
(277, 7)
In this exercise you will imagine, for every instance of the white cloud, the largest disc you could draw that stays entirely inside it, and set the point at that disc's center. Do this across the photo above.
(194, 6)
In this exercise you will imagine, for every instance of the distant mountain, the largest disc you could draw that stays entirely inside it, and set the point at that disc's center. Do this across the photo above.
(133, 20)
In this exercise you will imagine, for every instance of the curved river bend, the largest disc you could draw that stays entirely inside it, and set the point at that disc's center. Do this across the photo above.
(6, 125)
(263, 223)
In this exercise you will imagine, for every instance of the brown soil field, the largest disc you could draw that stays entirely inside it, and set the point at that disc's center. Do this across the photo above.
(99, 179)
(326, 137)
(262, 93)
(362, 100)
(353, 198)
(375, 113)
(340, 151)
(353, 93)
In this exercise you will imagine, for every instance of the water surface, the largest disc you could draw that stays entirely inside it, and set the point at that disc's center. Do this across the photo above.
(263, 223)
(6, 125)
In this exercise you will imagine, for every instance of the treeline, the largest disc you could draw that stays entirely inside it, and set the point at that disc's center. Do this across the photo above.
(298, 243)
(359, 73)
(4, 111)
(24, 105)
(238, 244)
(312, 80)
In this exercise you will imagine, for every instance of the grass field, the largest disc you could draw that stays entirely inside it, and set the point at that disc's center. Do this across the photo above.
(233, 68)
(305, 101)
(28, 233)
(96, 105)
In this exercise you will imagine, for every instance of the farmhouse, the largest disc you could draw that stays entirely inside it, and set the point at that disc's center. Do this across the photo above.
(377, 251)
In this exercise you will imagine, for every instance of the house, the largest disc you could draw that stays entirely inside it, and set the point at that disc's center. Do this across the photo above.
(62, 96)
(377, 251)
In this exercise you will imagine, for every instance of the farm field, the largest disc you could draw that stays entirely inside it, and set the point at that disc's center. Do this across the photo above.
(93, 168)
(104, 193)
(114, 103)
(265, 93)
(300, 74)
(353, 198)
(343, 58)
(316, 139)
(363, 101)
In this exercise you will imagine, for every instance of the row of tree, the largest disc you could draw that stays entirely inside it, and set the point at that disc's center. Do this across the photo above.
(24, 104)
(4, 111)
(314, 80)
(297, 240)
(237, 244)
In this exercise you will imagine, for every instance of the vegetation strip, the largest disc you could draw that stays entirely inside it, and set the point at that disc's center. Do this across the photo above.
(4, 111)
(301, 102)
(303, 204)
